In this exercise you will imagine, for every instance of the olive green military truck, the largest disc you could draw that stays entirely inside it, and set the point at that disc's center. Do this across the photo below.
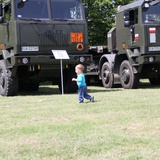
(29, 31)
(133, 50)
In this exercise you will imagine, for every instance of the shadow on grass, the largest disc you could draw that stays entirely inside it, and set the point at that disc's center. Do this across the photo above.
(105, 90)
(118, 87)
(147, 85)
(43, 90)
(49, 90)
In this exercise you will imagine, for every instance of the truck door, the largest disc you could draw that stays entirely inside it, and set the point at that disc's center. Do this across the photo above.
(131, 21)
(5, 25)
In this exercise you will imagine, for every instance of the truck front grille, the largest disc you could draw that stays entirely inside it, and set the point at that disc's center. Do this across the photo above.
(54, 40)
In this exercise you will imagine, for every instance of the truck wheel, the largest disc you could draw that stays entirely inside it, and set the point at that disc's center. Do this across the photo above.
(128, 79)
(107, 76)
(8, 84)
(68, 85)
(154, 81)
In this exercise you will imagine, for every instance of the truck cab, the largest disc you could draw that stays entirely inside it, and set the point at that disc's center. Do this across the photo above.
(29, 32)
(133, 46)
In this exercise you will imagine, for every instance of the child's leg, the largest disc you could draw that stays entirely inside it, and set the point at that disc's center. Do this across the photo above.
(80, 95)
(86, 95)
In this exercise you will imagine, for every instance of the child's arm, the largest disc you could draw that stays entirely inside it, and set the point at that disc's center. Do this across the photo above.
(74, 79)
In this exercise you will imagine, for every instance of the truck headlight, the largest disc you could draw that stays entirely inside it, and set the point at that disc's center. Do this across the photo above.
(82, 59)
(151, 59)
(25, 60)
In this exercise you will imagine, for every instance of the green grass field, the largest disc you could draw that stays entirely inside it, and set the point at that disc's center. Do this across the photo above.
(119, 125)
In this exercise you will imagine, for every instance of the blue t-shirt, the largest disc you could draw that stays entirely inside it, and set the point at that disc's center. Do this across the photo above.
(81, 80)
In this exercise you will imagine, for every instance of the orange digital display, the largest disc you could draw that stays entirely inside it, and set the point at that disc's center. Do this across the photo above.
(76, 37)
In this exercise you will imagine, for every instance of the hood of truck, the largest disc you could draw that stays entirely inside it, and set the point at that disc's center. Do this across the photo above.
(47, 37)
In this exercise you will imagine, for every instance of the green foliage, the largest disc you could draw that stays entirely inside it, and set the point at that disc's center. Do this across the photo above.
(101, 17)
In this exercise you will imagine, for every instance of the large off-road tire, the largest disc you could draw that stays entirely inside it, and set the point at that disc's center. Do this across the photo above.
(8, 83)
(107, 75)
(155, 81)
(68, 85)
(128, 79)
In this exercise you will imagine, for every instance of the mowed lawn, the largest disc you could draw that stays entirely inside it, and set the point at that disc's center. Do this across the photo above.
(120, 125)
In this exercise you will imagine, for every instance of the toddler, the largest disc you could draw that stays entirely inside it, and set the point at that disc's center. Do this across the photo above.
(81, 82)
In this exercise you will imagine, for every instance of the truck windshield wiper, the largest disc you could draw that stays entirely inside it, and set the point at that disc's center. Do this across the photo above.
(60, 19)
(154, 2)
(153, 20)
(66, 20)
(29, 19)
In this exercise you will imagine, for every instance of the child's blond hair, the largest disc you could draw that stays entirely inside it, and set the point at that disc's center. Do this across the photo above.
(80, 66)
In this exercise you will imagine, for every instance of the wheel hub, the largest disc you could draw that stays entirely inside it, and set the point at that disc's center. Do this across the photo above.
(106, 75)
(126, 75)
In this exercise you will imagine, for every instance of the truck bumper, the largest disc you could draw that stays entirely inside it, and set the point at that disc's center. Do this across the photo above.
(148, 59)
(148, 66)
(46, 59)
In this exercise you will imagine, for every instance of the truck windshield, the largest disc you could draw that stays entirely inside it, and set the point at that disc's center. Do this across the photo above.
(66, 9)
(152, 14)
(38, 9)
(31, 9)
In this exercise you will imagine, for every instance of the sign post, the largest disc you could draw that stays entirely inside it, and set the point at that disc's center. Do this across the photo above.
(61, 54)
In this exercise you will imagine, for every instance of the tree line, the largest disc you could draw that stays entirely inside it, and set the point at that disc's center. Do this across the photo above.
(101, 18)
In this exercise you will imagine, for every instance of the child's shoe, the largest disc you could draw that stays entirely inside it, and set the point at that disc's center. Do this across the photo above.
(92, 99)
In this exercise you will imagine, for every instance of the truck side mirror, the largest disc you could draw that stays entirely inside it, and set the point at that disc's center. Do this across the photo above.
(126, 23)
(1, 13)
(145, 7)
(126, 19)
(1, 10)
(86, 11)
(21, 4)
